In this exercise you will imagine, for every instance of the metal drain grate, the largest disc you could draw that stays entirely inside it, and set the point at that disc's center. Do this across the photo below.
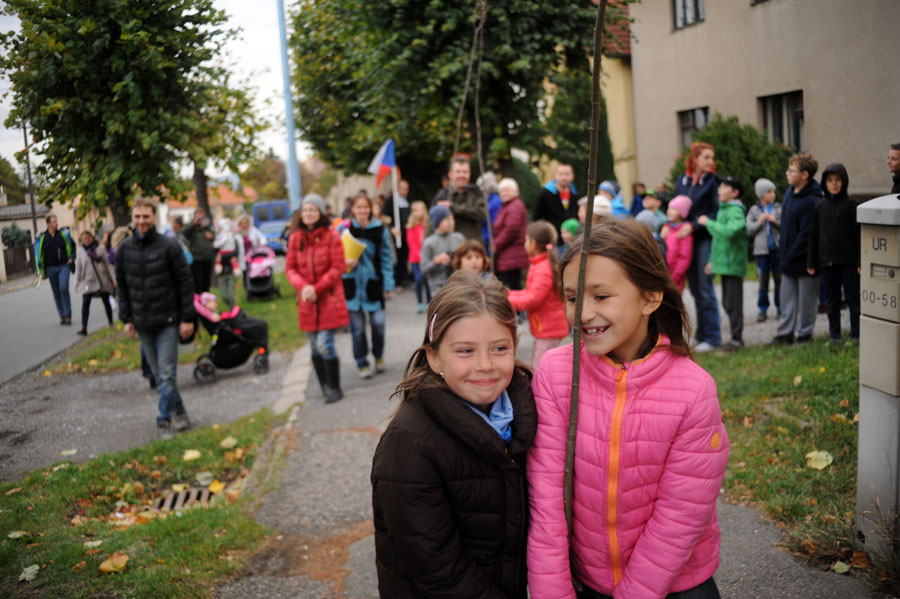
(195, 496)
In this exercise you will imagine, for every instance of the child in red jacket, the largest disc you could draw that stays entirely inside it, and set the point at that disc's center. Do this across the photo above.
(679, 248)
(542, 296)
(415, 235)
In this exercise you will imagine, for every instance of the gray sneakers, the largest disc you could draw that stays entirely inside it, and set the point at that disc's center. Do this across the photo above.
(181, 422)
(164, 432)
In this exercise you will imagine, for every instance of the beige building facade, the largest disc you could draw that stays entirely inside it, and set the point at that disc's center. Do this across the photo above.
(819, 75)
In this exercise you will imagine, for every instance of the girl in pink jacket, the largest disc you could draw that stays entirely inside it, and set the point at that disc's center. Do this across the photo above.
(542, 297)
(650, 449)
(679, 247)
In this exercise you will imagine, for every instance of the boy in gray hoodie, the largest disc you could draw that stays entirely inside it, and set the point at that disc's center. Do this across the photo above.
(438, 248)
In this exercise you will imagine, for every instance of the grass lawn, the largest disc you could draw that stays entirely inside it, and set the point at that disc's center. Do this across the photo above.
(110, 349)
(69, 519)
(779, 405)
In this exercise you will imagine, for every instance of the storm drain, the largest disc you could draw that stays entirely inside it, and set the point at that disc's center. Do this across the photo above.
(192, 497)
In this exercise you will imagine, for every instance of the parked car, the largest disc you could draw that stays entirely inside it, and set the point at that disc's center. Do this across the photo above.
(272, 218)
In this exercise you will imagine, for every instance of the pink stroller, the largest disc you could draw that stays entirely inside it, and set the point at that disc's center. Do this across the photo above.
(259, 278)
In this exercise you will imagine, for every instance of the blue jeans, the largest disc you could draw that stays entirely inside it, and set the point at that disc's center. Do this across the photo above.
(767, 264)
(704, 292)
(358, 332)
(59, 283)
(321, 343)
(421, 284)
(161, 348)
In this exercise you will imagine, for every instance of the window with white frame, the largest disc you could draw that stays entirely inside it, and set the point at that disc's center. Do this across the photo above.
(687, 12)
(782, 119)
(692, 120)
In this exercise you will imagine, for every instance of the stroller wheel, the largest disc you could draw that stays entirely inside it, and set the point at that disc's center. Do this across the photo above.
(261, 364)
(204, 371)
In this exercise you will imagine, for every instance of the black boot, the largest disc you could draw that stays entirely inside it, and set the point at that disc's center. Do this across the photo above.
(333, 387)
(321, 373)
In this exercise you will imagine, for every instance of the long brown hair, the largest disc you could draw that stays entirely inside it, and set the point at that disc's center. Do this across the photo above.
(696, 149)
(544, 236)
(631, 245)
(465, 294)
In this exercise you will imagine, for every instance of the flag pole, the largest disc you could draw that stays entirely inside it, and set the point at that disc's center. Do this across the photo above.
(396, 200)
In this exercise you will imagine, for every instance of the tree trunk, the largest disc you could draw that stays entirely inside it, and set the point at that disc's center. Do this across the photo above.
(200, 184)
(121, 211)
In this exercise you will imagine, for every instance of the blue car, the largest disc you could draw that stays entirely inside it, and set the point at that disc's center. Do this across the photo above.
(273, 218)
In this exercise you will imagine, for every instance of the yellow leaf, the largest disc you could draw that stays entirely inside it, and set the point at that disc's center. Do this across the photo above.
(840, 567)
(92, 544)
(228, 442)
(17, 534)
(216, 486)
(115, 563)
(191, 454)
(215, 426)
(29, 573)
(116, 355)
(93, 362)
(178, 488)
(797, 380)
(821, 369)
(839, 419)
(818, 460)
(68, 452)
(48, 373)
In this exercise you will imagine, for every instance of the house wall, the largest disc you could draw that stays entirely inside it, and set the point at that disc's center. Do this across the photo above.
(618, 92)
(836, 52)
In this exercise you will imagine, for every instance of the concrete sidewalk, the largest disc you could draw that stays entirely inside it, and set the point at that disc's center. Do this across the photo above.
(322, 515)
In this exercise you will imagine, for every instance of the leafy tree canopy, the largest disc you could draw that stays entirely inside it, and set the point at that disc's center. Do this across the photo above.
(741, 150)
(368, 71)
(12, 185)
(267, 176)
(109, 91)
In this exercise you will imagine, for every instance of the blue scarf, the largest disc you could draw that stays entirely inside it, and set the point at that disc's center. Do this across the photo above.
(499, 417)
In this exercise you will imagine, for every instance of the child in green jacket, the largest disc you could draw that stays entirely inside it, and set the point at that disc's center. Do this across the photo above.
(728, 257)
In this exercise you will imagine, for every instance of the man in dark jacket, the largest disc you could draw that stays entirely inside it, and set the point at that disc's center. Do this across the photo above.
(834, 240)
(55, 253)
(156, 303)
(557, 202)
(200, 236)
(893, 163)
(464, 199)
(799, 289)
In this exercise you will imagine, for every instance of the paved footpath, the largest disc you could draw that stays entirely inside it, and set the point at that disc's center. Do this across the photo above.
(321, 510)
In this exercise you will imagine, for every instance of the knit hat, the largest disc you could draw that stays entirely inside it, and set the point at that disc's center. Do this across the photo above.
(571, 225)
(609, 187)
(762, 187)
(206, 296)
(602, 206)
(734, 182)
(316, 200)
(682, 204)
(648, 218)
(437, 214)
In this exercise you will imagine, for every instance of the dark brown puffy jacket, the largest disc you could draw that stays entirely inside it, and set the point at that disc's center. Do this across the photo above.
(450, 499)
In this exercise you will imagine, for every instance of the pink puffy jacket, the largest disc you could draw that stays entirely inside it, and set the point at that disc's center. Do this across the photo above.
(679, 252)
(650, 455)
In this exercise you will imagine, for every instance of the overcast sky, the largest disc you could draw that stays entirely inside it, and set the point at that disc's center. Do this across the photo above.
(257, 52)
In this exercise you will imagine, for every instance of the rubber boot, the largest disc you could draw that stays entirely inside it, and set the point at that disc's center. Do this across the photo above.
(333, 387)
(321, 372)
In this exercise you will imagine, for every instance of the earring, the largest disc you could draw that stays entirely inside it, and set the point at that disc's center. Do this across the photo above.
(442, 374)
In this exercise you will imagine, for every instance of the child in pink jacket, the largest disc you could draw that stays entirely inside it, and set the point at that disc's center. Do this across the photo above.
(541, 297)
(679, 248)
(650, 448)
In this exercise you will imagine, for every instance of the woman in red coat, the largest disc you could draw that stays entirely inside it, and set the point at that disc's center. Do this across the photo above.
(314, 266)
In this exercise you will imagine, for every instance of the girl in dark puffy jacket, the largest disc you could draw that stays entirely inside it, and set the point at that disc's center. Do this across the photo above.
(448, 476)
(314, 266)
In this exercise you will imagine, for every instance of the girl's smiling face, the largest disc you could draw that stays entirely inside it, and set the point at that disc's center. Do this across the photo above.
(361, 210)
(476, 358)
(615, 311)
(472, 261)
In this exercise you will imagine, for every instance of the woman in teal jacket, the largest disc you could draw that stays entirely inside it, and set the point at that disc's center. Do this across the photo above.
(369, 281)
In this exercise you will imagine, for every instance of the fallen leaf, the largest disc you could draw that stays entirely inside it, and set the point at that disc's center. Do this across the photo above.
(840, 567)
(860, 560)
(228, 442)
(62, 466)
(821, 369)
(78, 520)
(216, 486)
(748, 421)
(68, 452)
(191, 454)
(29, 573)
(17, 534)
(839, 419)
(13, 491)
(116, 355)
(47, 373)
(138, 488)
(93, 362)
(797, 380)
(91, 551)
(204, 478)
(178, 488)
(818, 460)
(92, 544)
(84, 502)
(161, 460)
(78, 567)
(845, 403)
(856, 417)
(156, 474)
(215, 426)
(115, 563)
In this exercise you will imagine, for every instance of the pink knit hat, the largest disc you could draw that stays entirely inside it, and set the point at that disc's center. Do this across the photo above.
(682, 204)
(206, 296)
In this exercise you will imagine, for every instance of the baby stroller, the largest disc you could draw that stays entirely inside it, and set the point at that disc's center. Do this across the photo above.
(235, 337)
(260, 278)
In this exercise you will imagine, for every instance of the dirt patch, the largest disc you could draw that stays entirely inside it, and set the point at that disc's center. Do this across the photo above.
(323, 559)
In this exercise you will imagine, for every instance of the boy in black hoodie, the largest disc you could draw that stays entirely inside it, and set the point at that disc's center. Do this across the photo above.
(834, 240)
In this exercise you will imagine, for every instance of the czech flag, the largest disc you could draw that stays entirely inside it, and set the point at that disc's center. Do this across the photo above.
(383, 162)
